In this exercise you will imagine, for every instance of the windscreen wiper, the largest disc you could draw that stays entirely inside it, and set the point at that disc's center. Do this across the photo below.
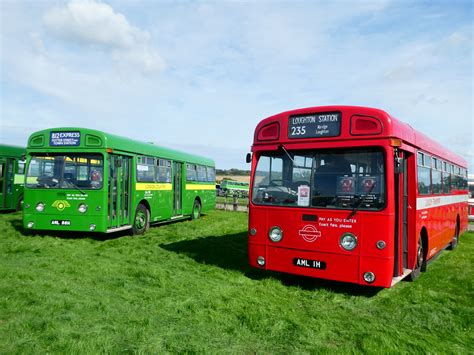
(76, 187)
(361, 201)
(289, 156)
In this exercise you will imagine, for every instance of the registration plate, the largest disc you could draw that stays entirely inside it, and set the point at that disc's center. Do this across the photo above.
(60, 222)
(313, 264)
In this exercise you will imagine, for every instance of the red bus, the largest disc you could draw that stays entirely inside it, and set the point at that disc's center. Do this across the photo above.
(351, 194)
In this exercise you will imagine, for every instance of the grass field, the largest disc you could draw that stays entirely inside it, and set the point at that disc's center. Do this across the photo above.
(187, 287)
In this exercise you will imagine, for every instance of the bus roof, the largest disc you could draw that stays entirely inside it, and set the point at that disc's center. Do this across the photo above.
(11, 151)
(94, 140)
(384, 126)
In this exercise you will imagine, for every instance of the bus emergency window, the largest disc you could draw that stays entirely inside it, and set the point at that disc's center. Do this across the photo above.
(163, 171)
(191, 174)
(343, 179)
(211, 174)
(72, 171)
(145, 169)
(201, 173)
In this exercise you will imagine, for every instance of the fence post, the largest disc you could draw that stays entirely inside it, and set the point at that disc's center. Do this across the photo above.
(235, 203)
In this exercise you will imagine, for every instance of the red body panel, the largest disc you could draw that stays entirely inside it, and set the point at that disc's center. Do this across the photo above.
(322, 242)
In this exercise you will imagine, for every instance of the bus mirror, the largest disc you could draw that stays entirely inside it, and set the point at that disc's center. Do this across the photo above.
(248, 158)
(398, 165)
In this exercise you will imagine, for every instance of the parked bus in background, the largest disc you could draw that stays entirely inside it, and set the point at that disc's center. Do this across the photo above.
(235, 188)
(471, 197)
(351, 194)
(12, 176)
(86, 180)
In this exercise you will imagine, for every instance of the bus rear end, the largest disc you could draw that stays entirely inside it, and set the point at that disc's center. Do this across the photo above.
(319, 203)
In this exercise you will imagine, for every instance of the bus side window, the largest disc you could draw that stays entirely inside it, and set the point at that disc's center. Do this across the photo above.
(163, 171)
(424, 174)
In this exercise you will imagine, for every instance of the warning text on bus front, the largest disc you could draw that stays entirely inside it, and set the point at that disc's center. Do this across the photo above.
(315, 125)
(63, 139)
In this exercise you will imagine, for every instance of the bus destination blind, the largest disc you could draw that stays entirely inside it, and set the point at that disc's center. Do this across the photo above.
(64, 139)
(315, 125)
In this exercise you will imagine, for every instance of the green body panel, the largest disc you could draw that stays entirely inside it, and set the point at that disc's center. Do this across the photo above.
(11, 177)
(114, 207)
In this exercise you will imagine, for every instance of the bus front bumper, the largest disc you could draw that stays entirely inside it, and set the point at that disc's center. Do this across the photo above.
(65, 223)
(331, 266)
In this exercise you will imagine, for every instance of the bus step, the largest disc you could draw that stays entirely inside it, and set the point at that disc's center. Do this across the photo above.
(397, 279)
(176, 217)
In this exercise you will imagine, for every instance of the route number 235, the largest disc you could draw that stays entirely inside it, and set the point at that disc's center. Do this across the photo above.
(298, 131)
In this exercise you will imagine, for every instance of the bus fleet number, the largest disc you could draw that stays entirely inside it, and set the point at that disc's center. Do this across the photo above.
(298, 131)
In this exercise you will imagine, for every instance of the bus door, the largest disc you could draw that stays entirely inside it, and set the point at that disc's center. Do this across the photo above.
(6, 182)
(401, 212)
(177, 188)
(119, 190)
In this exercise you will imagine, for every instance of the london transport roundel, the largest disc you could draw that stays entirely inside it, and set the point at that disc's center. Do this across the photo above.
(309, 233)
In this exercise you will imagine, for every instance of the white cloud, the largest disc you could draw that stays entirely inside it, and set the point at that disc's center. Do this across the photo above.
(92, 23)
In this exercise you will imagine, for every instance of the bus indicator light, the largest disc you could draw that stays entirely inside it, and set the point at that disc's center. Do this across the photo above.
(261, 261)
(381, 244)
(40, 207)
(253, 231)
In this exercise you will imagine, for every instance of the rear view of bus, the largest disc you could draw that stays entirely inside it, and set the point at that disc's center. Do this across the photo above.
(334, 195)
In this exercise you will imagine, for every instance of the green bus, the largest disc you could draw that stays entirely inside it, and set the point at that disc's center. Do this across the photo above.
(235, 188)
(12, 176)
(85, 180)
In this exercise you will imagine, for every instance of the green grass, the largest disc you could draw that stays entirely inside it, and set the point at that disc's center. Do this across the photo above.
(187, 287)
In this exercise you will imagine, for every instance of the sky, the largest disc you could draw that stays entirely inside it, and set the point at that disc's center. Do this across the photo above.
(199, 75)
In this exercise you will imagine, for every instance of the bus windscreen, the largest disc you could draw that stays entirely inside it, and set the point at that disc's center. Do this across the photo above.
(80, 171)
(343, 178)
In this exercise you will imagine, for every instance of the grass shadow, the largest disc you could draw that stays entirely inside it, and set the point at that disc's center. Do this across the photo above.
(230, 252)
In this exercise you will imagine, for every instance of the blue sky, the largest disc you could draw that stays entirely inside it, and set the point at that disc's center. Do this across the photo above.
(199, 76)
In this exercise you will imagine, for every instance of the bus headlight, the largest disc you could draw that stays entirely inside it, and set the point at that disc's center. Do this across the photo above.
(275, 234)
(348, 241)
(369, 277)
(40, 206)
(82, 208)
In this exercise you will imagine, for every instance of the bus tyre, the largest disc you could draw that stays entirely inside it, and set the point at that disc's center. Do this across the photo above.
(141, 223)
(420, 262)
(196, 212)
(454, 242)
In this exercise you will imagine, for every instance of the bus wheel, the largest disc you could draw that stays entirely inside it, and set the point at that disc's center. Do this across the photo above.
(420, 262)
(196, 213)
(454, 242)
(141, 223)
